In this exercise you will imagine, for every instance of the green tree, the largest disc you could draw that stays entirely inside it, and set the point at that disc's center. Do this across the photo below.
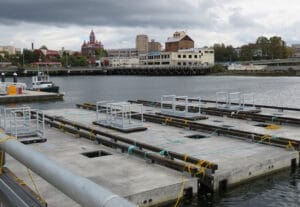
(277, 48)
(100, 53)
(263, 43)
(31, 56)
(224, 53)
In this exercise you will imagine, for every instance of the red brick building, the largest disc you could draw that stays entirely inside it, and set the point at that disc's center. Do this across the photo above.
(179, 41)
(88, 48)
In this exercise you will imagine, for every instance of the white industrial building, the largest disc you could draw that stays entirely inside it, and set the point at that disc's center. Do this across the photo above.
(186, 57)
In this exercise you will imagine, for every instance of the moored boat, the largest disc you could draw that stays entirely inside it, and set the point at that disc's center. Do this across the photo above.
(42, 82)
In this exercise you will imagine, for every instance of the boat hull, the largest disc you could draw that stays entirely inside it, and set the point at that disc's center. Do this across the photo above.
(52, 89)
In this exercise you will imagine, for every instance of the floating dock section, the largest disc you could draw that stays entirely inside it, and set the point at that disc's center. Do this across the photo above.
(30, 96)
(175, 157)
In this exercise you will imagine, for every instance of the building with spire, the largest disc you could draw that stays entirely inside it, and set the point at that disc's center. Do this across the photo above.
(88, 48)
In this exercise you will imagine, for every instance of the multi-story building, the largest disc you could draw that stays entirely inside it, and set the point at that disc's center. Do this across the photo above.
(124, 52)
(88, 48)
(296, 48)
(141, 43)
(119, 61)
(154, 46)
(179, 41)
(11, 50)
(187, 57)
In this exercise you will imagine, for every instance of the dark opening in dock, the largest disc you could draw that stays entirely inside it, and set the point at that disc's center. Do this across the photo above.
(227, 126)
(217, 121)
(262, 125)
(98, 153)
(197, 136)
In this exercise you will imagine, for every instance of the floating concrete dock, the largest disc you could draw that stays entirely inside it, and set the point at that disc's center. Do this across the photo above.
(172, 158)
(30, 96)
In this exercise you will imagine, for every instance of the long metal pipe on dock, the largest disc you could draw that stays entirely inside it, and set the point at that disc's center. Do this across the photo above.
(80, 189)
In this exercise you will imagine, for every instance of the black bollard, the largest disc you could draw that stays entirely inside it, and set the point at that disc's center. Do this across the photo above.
(2, 77)
(15, 78)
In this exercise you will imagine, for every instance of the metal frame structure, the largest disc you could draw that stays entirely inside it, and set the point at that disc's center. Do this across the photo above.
(180, 106)
(235, 101)
(18, 122)
(248, 101)
(221, 100)
(119, 114)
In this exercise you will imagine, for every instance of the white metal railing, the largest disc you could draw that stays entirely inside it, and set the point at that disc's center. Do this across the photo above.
(180, 105)
(19, 122)
(235, 101)
(119, 114)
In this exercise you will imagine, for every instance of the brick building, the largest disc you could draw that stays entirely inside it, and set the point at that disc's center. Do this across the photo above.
(179, 41)
(88, 48)
(154, 46)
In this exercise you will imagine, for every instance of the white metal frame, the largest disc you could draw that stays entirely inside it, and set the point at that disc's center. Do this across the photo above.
(235, 101)
(180, 106)
(119, 114)
(19, 122)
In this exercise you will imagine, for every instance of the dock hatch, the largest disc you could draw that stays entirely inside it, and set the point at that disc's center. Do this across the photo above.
(93, 154)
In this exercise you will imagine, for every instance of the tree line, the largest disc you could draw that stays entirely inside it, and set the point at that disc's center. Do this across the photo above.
(263, 48)
(32, 56)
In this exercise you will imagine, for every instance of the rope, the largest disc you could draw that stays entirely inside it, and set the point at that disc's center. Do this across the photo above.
(273, 127)
(164, 153)
(61, 126)
(36, 188)
(185, 157)
(91, 135)
(180, 194)
(274, 118)
(130, 149)
(265, 137)
(290, 145)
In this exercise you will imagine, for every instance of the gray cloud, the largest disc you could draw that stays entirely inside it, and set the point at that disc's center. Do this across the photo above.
(241, 21)
(131, 13)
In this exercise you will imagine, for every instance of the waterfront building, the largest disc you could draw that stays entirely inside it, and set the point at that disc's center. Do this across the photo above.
(119, 61)
(179, 41)
(124, 52)
(296, 48)
(11, 50)
(186, 57)
(154, 46)
(141, 43)
(88, 48)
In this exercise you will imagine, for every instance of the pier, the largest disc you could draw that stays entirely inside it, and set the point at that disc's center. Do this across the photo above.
(174, 157)
(30, 96)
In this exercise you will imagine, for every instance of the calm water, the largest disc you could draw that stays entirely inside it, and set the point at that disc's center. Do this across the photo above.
(282, 189)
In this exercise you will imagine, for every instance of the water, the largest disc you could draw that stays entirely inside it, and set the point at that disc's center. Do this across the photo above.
(282, 189)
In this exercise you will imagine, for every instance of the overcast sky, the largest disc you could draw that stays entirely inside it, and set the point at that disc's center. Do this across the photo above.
(66, 23)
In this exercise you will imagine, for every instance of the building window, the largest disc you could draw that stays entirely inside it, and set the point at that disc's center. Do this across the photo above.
(190, 56)
(206, 51)
(179, 56)
(212, 52)
(179, 63)
(184, 56)
(184, 63)
(195, 56)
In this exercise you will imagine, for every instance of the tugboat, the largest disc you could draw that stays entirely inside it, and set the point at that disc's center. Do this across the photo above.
(42, 82)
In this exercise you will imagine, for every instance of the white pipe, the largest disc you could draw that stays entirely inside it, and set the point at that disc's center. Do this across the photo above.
(80, 189)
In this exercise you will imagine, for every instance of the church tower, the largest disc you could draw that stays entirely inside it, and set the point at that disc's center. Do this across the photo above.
(92, 37)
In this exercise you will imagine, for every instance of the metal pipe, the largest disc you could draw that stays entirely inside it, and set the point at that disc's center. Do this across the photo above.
(80, 189)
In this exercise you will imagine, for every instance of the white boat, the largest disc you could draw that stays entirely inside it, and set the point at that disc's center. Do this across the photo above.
(42, 82)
